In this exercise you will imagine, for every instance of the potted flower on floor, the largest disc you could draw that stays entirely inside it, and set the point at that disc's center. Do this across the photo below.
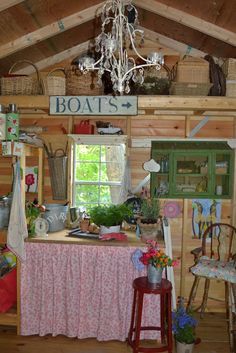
(109, 218)
(184, 324)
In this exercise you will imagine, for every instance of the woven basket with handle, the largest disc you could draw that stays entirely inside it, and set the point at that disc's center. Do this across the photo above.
(79, 84)
(55, 85)
(14, 84)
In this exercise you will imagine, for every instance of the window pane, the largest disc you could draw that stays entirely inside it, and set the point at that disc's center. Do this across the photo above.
(87, 171)
(88, 153)
(109, 194)
(111, 172)
(98, 166)
(86, 193)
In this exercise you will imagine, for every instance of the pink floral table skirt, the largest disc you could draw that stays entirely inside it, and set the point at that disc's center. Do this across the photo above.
(81, 291)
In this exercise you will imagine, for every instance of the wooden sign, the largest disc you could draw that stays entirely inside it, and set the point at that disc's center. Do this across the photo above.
(93, 105)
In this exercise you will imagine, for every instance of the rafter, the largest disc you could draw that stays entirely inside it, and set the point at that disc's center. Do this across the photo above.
(171, 43)
(55, 59)
(49, 31)
(188, 20)
(5, 4)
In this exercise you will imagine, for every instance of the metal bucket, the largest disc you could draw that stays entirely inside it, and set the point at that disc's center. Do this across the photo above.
(56, 216)
(5, 206)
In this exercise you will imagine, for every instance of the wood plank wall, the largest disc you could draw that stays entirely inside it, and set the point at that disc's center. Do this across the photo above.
(148, 124)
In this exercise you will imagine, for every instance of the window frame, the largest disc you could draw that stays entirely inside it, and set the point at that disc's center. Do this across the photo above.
(112, 140)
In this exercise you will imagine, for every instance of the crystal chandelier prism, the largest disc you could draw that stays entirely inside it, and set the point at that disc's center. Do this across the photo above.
(118, 32)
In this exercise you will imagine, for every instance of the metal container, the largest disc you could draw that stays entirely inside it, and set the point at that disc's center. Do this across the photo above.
(2, 123)
(56, 216)
(12, 123)
(5, 205)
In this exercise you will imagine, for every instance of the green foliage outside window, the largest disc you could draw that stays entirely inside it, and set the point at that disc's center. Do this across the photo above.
(98, 174)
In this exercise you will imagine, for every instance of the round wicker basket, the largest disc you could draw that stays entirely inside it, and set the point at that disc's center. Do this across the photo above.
(55, 85)
(79, 84)
(14, 84)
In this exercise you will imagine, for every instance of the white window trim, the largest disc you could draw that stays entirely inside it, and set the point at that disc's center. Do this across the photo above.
(99, 139)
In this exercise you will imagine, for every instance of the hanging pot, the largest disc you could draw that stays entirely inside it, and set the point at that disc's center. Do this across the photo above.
(154, 274)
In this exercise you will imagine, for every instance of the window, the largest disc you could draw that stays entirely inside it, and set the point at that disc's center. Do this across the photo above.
(98, 172)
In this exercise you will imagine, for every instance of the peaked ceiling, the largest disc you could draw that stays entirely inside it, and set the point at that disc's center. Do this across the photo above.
(47, 32)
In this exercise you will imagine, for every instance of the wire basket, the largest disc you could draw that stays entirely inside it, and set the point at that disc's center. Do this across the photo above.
(190, 89)
(55, 85)
(14, 84)
(58, 175)
(79, 84)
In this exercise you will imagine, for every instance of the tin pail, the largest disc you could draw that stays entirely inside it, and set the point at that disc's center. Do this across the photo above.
(56, 216)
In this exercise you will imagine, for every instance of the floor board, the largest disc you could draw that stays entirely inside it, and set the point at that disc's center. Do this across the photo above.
(212, 330)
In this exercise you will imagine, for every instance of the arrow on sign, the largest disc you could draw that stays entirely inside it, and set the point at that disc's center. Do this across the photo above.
(127, 105)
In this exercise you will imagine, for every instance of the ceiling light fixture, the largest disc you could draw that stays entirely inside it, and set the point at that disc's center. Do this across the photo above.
(119, 31)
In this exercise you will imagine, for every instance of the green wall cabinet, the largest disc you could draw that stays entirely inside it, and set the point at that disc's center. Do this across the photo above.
(190, 169)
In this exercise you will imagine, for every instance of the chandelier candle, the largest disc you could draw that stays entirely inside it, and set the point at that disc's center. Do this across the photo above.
(119, 31)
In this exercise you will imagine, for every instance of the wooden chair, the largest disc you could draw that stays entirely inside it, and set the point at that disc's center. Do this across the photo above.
(215, 260)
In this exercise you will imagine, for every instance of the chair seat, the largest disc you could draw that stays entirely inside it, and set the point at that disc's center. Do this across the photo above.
(210, 268)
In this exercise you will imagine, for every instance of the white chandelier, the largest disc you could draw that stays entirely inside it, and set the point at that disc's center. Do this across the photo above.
(117, 33)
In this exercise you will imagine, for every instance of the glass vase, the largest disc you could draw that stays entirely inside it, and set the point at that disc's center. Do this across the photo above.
(154, 274)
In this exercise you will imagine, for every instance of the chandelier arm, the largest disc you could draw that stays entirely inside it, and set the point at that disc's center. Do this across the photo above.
(140, 67)
(133, 45)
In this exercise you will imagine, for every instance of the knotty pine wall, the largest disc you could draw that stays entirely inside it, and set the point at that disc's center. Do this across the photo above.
(149, 124)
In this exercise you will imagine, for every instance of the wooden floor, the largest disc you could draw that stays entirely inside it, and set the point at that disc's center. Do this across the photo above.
(212, 330)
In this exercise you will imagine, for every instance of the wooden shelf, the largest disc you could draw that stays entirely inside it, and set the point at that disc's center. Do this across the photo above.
(144, 102)
(9, 318)
(12, 317)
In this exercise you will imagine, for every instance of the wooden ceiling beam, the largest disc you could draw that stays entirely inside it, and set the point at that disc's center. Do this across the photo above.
(188, 20)
(55, 59)
(5, 4)
(172, 44)
(50, 30)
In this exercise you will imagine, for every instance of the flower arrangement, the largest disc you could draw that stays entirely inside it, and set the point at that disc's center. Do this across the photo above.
(183, 324)
(156, 256)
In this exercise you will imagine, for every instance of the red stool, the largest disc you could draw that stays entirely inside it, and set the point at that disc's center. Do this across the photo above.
(142, 286)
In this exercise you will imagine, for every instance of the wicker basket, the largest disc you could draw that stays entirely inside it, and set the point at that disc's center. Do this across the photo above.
(155, 82)
(21, 84)
(195, 70)
(55, 85)
(190, 89)
(230, 88)
(79, 84)
(229, 68)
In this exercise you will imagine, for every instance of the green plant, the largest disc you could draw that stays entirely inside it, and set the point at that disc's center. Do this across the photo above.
(110, 215)
(150, 210)
(32, 212)
(183, 324)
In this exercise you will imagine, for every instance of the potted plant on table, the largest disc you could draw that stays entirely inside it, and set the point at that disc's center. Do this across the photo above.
(184, 324)
(149, 222)
(109, 218)
(156, 260)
